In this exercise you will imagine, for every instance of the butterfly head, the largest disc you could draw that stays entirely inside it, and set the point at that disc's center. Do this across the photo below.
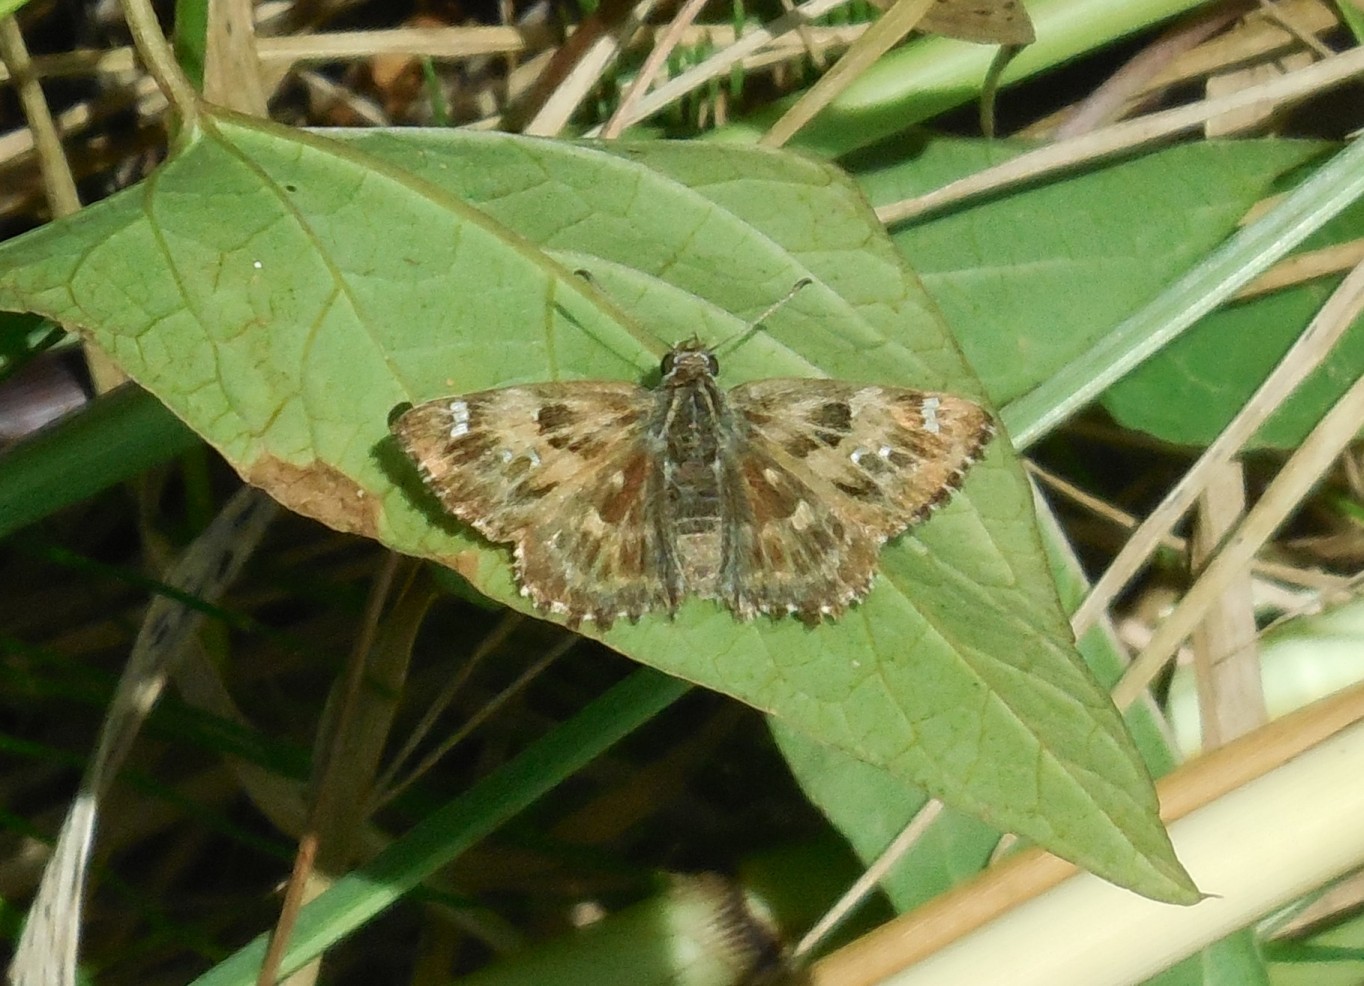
(688, 362)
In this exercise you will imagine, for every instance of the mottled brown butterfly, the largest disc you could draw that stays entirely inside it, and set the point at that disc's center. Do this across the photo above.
(773, 497)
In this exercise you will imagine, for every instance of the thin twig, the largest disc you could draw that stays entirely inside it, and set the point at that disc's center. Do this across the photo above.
(570, 93)
(885, 32)
(569, 641)
(865, 884)
(652, 66)
(437, 707)
(1122, 137)
(1305, 355)
(1300, 473)
(722, 61)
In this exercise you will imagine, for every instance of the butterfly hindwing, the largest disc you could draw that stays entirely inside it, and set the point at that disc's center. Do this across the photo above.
(786, 550)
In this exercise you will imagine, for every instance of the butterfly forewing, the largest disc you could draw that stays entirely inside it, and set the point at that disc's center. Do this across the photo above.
(831, 471)
(786, 549)
(563, 472)
(881, 457)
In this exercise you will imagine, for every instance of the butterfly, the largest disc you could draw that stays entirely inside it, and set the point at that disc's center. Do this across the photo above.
(773, 497)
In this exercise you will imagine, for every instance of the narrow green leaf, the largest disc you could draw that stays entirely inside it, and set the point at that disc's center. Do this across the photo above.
(110, 440)
(446, 833)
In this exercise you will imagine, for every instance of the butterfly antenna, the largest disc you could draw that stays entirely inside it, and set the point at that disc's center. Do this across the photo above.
(740, 337)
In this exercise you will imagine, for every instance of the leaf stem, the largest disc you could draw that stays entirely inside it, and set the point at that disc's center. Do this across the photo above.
(156, 52)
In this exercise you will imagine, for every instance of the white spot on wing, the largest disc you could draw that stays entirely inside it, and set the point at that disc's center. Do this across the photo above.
(459, 418)
(859, 454)
(929, 410)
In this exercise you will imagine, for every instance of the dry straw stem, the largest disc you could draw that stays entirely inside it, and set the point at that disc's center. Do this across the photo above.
(722, 61)
(1257, 39)
(888, 30)
(232, 71)
(870, 880)
(652, 66)
(566, 98)
(1126, 136)
(1302, 32)
(144, 93)
(364, 703)
(1303, 267)
(1306, 354)
(440, 44)
(58, 184)
(1115, 98)
(1228, 811)
(1226, 663)
(1302, 471)
(1271, 573)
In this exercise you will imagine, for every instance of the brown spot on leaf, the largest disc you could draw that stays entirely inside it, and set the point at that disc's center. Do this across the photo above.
(319, 491)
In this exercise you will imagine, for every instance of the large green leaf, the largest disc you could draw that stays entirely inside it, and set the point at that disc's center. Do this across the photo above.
(282, 293)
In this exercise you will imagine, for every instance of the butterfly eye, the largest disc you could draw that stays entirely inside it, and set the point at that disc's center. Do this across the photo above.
(712, 364)
(669, 359)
